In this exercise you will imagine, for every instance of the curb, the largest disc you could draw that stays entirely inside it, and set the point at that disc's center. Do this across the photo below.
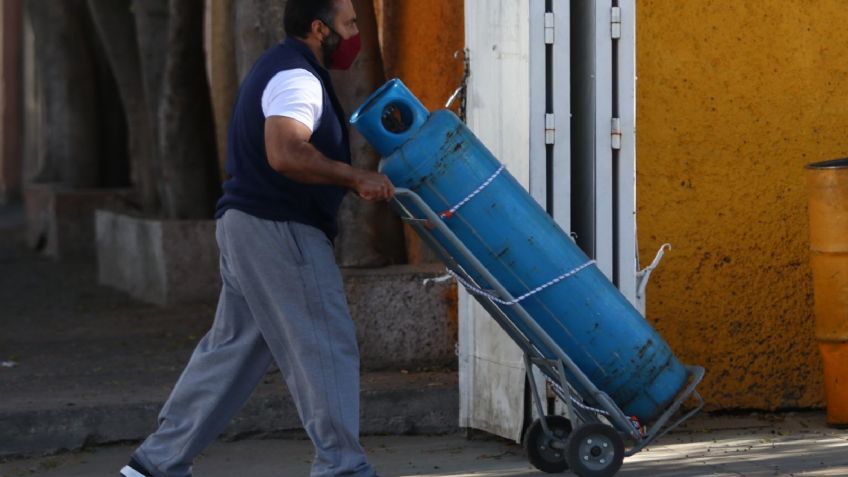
(391, 403)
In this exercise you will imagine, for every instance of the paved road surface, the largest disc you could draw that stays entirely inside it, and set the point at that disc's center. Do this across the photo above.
(785, 446)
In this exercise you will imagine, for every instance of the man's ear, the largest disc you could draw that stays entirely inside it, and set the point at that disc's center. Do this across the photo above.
(317, 28)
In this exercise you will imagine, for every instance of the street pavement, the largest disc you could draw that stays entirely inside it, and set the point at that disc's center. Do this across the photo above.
(751, 445)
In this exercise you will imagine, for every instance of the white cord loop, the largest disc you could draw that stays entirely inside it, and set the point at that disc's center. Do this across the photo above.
(481, 292)
(589, 408)
(435, 280)
(644, 275)
(449, 213)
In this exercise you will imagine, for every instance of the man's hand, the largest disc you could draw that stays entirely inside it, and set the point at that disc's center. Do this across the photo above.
(291, 154)
(373, 186)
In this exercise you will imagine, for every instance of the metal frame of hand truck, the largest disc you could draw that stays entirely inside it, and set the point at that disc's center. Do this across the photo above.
(553, 369)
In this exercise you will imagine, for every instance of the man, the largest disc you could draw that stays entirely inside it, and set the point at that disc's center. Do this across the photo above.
(282, 297)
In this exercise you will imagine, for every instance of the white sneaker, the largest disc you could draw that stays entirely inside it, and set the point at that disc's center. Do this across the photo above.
(128, 471)
(134, 469)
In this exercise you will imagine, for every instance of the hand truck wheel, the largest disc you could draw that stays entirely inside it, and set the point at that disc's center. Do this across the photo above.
(545, 454)
(594, 450)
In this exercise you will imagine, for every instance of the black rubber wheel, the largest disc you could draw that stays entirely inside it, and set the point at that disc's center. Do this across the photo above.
(541, 454)
(594, 450)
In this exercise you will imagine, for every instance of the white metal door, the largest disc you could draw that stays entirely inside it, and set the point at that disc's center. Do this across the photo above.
(548, 77)
(491, 368)
(604, 146)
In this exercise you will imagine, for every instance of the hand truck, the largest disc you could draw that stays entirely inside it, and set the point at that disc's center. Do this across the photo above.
(595, 435)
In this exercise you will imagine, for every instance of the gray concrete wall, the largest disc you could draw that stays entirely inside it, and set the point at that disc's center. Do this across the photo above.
(400, 323)
(60, 219)
(157, 261)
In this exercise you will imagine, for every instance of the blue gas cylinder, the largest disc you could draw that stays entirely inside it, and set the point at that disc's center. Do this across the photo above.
(437, 156)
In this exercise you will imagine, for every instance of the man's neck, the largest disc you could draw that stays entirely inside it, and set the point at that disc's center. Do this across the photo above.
(315, 47)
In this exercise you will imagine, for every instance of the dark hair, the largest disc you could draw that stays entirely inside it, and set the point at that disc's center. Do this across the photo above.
(300, 14)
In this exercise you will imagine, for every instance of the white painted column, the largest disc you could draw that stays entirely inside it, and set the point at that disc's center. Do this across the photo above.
(491, 367)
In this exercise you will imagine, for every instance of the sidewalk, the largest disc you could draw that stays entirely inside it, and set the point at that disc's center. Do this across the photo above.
(82, 365)
(768, 445)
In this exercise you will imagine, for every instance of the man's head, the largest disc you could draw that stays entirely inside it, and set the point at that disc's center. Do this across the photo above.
(328, 25)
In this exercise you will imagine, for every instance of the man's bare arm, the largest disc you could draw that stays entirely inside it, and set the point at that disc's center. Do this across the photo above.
(291, 154)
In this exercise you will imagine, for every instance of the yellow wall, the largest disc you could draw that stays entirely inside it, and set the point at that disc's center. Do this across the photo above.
(734, 98)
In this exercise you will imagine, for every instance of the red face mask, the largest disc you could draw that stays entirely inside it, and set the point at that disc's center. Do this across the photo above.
(345, 54)
(340, 53)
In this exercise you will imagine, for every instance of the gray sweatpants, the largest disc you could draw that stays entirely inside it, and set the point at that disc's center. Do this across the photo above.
(282, 299)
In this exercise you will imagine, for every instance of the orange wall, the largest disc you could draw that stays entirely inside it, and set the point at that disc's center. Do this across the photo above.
(419, 39)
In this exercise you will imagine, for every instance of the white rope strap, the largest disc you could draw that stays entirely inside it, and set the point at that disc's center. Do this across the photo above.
(588, 408)
(449, 213)
(634, 421)
(496, 299)
(576, 401)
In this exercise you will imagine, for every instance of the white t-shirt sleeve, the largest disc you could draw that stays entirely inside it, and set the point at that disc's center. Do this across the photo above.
(295, 94)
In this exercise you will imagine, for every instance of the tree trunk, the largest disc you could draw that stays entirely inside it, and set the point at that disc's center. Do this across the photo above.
(10, 89)
(186, 131)
(112, 129)
(222, 71)
(117, 30)
(370, 235)
(258, 26)
(66, 69)
(34, 150)
(151, 24)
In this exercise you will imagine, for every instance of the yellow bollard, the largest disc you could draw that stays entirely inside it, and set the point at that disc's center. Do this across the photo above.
(828, 191)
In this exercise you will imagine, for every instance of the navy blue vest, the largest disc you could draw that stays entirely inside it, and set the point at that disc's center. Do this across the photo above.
(253, 187)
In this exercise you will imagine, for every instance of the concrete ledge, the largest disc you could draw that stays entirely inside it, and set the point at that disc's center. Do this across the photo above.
(157, 261)
(391, 403)
(60, 219)
(400, 323)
